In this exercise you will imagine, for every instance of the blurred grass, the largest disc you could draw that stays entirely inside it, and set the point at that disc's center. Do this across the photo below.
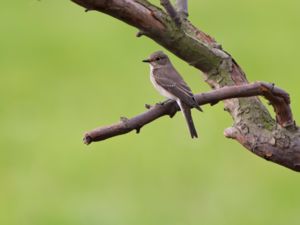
(64, 71)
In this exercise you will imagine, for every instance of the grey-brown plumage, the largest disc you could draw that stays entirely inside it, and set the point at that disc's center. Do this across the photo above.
(170, 84)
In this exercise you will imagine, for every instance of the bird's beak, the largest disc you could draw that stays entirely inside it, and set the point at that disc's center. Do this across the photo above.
(146, 60)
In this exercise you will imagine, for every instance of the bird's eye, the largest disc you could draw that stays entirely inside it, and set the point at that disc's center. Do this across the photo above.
(157, 58)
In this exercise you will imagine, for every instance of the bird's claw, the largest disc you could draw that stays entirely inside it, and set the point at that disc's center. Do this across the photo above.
(160, 103)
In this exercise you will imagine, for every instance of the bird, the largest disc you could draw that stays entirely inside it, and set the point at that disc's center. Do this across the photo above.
(170, 84)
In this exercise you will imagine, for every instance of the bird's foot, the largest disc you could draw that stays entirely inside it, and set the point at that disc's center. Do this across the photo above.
(160, 103)
(164, 102)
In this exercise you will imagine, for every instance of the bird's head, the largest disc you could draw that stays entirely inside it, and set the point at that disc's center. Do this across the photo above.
(157, 59)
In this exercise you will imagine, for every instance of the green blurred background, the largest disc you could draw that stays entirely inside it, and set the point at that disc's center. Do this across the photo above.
(63, 71)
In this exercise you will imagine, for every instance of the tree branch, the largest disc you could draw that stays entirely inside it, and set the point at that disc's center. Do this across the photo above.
(277, 141)
(182, 7)
(278, 98)
(188, 43)
(171, 11)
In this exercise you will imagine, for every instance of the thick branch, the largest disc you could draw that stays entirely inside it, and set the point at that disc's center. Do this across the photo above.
(188, 43)
(275, 95)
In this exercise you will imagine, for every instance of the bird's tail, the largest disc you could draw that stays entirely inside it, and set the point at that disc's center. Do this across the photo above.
(186, 111)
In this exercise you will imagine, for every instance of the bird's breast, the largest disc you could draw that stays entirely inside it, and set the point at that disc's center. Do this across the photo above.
(159, 88)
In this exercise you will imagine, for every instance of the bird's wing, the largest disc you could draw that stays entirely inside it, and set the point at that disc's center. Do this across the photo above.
(173, 83)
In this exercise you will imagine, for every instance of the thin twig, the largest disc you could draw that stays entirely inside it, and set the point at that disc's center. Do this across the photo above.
(171, 11)
(182, 8)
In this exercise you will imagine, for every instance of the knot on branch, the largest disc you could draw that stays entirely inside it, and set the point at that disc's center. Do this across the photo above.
(87, 139)
(281, 140)
(140, 33)
(280, 100)
(231, 132)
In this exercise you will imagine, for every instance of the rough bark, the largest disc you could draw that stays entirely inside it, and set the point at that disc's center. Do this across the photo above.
(275, 140)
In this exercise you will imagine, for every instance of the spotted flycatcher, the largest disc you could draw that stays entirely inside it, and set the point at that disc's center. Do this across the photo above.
(170, 84)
